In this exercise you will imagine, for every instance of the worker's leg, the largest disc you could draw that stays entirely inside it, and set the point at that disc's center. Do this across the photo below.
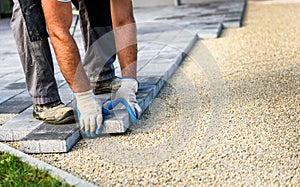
(96, 22)
(58, 16)
(33, 47)
(30, 33)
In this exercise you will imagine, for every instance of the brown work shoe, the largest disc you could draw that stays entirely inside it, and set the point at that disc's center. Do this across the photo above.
(107, 86)
(54, 113)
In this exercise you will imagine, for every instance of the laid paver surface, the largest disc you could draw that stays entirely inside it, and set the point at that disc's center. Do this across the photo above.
(165, 36)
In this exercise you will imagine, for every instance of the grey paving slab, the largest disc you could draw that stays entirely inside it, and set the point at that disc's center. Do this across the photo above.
(23, 124)
(155, 69)
(146, 94)
(117, 122)
(146, 37)
(16, 86)
(50, 138)
(145, 3)
(230, 23)
(17, 104)
(4, 97)
(46, 138)
(8, 94)
(19, 127)
(156, 82)
(194, 16)
(48, 132)
(66, 94)
(10, 78)
(210, 31)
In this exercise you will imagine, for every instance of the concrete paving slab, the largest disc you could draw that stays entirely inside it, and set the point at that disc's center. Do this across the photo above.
(116, 122)
(23, 124)
(156, 81)
(16, 85)
(8, 94)
(145, 95)
(195, 16)
(61, 138)
(231, 23)
(9, 78)
(16, 104)
(142, 63)
(50, 139)
(210, 31)
(19, 127)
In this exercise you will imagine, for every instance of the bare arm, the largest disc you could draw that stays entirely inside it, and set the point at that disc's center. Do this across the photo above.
(58, 17)
(125, 36)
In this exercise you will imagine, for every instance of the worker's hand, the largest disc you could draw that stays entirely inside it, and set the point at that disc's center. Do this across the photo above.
(89, 113)
(129, 87)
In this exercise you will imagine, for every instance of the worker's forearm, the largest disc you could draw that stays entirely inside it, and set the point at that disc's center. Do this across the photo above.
(69, 62)
(58, 16)
(128, 61)
(125, 36)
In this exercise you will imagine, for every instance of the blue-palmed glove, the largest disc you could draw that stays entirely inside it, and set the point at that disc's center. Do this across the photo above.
(126, 95)
(89, 113)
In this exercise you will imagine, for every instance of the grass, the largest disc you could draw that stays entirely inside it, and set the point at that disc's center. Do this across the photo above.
(14, 172)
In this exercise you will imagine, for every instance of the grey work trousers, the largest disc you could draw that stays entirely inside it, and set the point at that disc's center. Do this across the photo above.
(29, 29)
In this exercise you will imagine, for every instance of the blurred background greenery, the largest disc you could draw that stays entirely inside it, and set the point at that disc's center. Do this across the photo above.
(5, 8)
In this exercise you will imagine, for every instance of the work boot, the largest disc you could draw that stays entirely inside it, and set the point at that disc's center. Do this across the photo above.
(107, 86)
(54, 113)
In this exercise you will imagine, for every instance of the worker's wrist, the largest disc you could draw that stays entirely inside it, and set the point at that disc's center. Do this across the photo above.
(130, 82)
(82, 95)
(128, 77)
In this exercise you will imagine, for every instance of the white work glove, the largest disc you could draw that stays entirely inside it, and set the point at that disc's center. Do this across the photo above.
(89, 113)
(129, 87)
